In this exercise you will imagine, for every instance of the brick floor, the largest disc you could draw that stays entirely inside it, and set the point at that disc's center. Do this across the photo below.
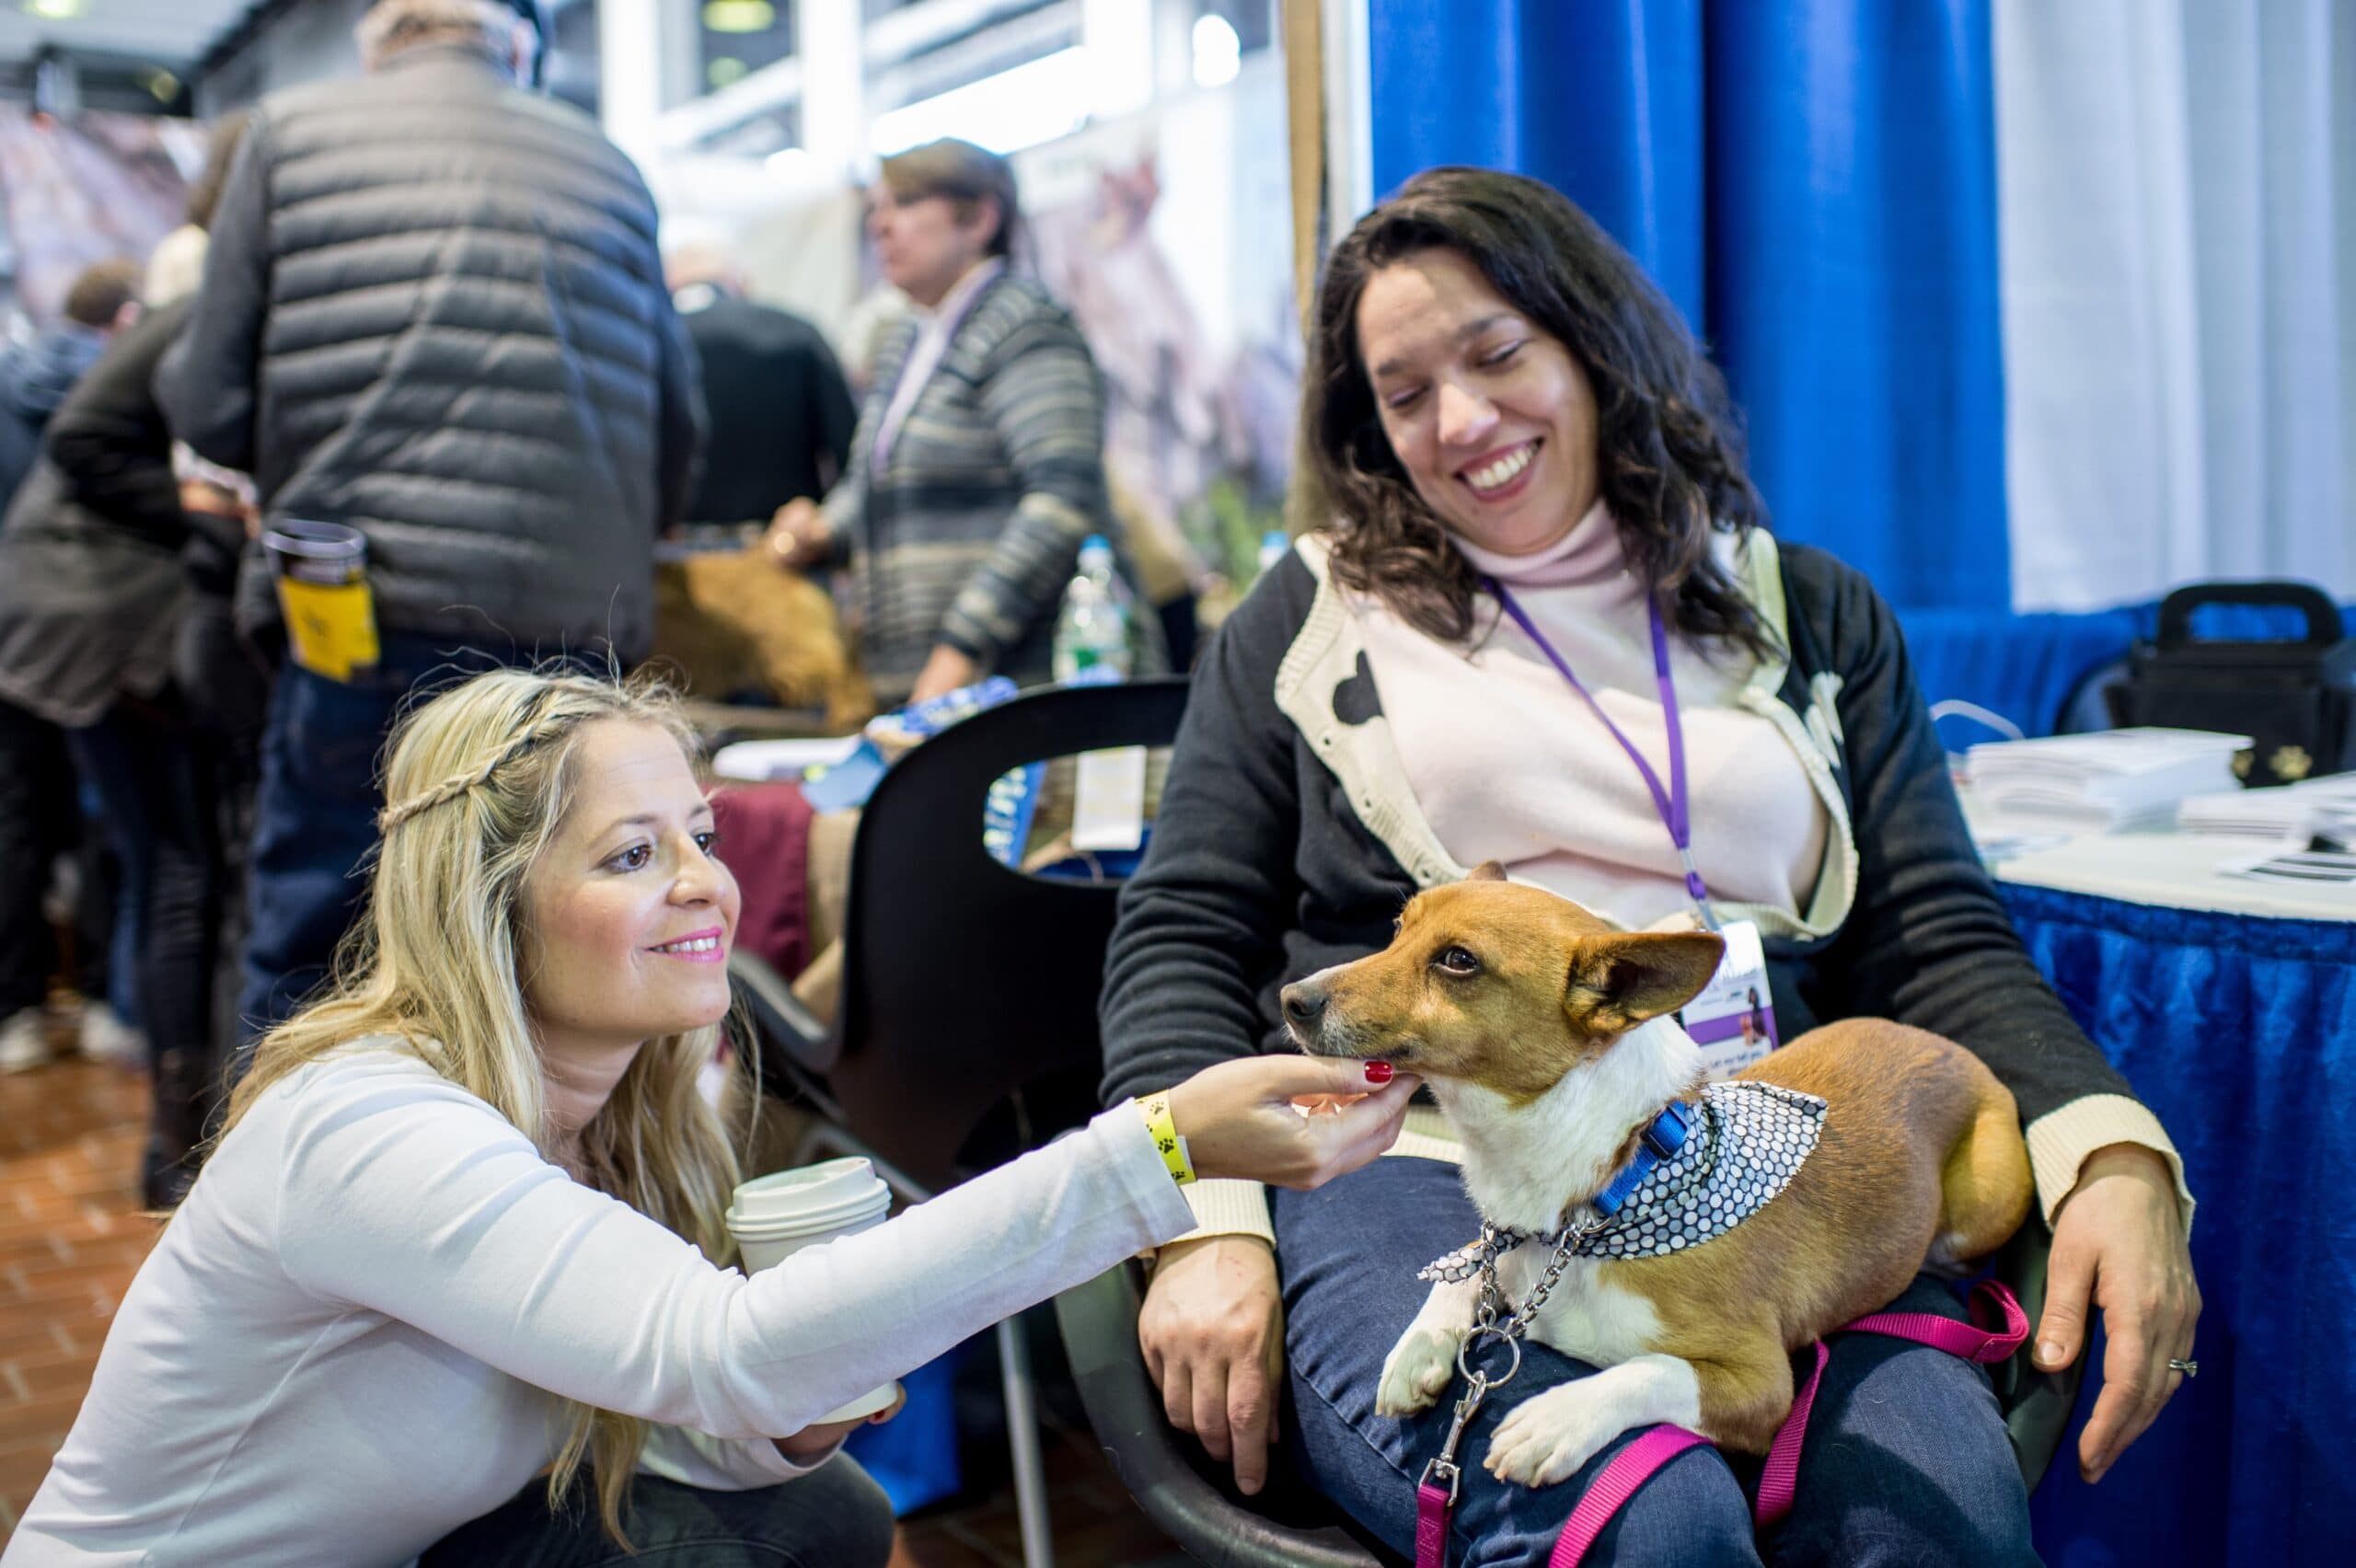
(72, 1235)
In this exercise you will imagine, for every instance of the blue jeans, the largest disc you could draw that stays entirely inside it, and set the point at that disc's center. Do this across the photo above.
(114, 852)
(1907, 1460)
(833, 1517)
(315, 814)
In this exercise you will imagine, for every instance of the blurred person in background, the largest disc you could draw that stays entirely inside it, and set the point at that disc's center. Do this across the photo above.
(733, 626)
(222, 678)
(37, 809)
(432, 310)
(92, 590)
(978, 466)
(35, 376)
(40, 820)
(779, 413)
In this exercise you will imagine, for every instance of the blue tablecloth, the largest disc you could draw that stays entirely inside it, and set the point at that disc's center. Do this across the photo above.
(2241, 1034)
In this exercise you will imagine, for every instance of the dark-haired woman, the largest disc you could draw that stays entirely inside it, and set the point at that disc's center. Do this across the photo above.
(1536, 491)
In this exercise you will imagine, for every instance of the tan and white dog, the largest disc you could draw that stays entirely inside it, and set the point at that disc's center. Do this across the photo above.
(1543, 1034)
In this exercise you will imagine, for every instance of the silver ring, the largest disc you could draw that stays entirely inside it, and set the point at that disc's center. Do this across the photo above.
(1472, 1342)
(2179, 1364)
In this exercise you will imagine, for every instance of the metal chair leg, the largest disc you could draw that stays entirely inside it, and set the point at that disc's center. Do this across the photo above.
(1022, 1438)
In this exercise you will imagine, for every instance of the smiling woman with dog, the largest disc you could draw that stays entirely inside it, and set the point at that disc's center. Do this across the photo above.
(456, 1280)
(1546, 628)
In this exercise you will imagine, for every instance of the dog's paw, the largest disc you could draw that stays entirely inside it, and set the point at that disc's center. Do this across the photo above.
(1547, 1437)
(1417, 1372)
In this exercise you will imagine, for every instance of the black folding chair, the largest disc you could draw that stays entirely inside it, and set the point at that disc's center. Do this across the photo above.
(966, 1030)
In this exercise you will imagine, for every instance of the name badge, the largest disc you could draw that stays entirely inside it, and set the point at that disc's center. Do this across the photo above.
(1734, 1017)
(1108, 800)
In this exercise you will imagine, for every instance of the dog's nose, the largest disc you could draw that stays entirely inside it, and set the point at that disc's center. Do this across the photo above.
(1304, 1003)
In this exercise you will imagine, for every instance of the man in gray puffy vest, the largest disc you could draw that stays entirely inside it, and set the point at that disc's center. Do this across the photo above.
(433, 311)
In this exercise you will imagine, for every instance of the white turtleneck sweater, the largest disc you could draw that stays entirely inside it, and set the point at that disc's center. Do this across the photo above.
(1509, 764)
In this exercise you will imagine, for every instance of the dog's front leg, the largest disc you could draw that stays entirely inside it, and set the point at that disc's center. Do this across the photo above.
(1425, 1358)
(1548, 1436)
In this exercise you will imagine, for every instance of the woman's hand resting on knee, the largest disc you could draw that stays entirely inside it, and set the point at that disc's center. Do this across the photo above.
(1213, 1326)
(1213, 1331)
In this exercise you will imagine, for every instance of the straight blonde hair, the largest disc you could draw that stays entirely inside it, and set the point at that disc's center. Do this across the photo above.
(479, 778)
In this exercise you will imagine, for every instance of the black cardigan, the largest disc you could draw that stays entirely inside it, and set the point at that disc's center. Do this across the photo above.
(1260, 872)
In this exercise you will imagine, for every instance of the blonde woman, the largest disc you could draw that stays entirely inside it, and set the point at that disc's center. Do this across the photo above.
(463, 1230)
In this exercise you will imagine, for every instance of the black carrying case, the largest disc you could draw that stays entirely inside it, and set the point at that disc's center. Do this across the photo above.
(2293, 698)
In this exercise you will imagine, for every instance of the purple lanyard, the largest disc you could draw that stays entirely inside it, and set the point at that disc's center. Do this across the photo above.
(885, 440)
(1670, 802)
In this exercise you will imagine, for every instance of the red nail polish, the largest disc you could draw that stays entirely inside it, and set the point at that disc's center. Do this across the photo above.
(1377, 1072)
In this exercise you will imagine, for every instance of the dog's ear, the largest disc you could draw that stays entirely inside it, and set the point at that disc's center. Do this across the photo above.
(1487, 870)
(1619, 981)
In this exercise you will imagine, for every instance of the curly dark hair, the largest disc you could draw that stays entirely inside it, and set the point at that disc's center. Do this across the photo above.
(1671, 457)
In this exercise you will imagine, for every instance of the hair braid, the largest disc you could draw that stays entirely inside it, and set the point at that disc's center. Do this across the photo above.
(458, 784)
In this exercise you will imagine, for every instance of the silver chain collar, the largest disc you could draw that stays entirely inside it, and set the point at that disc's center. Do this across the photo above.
(1492, 1320)
(1794, 1121)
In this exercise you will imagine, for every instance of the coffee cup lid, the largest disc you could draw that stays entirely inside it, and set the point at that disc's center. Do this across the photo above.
(839, 1222)
(831, 1191)
(843, 1210)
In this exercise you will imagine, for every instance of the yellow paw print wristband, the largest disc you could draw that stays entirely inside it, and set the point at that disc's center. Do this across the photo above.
(1156, 1107)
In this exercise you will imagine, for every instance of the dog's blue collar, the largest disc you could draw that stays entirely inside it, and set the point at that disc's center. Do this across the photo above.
(1658, 1142)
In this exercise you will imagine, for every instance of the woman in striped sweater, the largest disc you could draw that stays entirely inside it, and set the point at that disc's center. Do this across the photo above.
(978, 465)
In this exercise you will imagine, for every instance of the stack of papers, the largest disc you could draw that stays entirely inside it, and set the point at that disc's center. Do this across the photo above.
(2309, 867)
(2117, 779)
(2294, 812)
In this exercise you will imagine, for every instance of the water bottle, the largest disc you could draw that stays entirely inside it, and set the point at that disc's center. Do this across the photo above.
(1092, 632)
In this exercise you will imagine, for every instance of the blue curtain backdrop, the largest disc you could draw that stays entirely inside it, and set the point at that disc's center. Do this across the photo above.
(1813, 182)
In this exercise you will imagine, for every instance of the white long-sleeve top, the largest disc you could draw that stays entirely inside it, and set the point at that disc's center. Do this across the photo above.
(354, 1335)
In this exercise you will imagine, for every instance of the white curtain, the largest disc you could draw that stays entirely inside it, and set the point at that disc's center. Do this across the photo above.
(2176, 228)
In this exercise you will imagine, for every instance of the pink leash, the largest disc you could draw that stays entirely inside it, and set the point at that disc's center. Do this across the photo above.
(1973, 1342)
(1641, 1459)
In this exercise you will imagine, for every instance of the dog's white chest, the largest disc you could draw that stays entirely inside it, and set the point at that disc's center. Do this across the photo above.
(1585, 1316)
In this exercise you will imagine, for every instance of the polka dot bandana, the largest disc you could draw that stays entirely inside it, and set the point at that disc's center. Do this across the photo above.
(1747, 1141)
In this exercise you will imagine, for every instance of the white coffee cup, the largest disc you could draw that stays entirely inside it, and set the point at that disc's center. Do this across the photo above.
(775, 1216)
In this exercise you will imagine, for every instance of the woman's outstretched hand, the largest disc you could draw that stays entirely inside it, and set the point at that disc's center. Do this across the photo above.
(1240, 1118)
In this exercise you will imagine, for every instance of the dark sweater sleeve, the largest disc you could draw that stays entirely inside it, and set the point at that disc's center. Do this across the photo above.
(1202, 923)
(681, 426)
(209, 385)
(108, 438)
(1928, 941)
